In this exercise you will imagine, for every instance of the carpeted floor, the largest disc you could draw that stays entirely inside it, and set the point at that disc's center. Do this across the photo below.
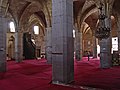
(37, 75)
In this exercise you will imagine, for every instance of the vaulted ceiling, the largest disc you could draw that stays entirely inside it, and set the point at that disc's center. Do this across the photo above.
(21, 10)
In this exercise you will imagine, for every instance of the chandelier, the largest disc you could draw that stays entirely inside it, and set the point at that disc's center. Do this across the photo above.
(102, 31)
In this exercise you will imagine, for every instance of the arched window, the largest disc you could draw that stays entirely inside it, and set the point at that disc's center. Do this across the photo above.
(36, 30)
(114, 44)
(73, 33)
(12, 27)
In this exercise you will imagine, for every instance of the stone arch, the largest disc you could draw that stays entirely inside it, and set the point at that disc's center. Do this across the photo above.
(35, 7)
(48, 12)
(11, 17)
(6, 12)
(88, 6)
(88, 13)
(29, 10)
(36, 21)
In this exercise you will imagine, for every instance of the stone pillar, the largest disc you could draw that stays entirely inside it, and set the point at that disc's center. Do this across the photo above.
(18, 46)
(105, 44)
(105, 53)
(78, 54)
(105, 48)
(94, 47)
(48, 45)
(118, 42)
(62, 42)
(3, 29)
(81, 46)
(77, 43)
(118, 33)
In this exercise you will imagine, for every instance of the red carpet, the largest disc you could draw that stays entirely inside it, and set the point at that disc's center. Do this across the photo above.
(37, 75)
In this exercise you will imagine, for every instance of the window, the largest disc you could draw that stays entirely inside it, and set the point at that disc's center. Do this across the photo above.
(73, 33)
(114, 44)
(33, 41)
(36, 30)
(98, 49)
(12, 27)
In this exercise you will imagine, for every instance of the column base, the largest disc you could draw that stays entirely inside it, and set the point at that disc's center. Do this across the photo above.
(77, 57)
(105, 67)
(18, 60)
(105, 60)
(49, 58)
(2, 67)
(62, 83)
(49, 62)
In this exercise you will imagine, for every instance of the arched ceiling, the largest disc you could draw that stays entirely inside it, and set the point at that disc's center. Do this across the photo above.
(116, 6)
(21, 10)
(92, 20)
(41, 16)
(77, 6)
(18, 7)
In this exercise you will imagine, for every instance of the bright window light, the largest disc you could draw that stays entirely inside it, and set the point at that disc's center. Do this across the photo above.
(73, 33)
(12, 27)
(98, 49)
(114, 44)
(36, 30)
(33, 41)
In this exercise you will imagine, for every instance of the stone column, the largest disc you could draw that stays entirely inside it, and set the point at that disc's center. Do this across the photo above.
(62, 42)
(77, 44)
(81, 46)
(105, 53)
(18, 45)
(94, 47)
(3, 29)
(105, 44)
(118, 42)
(118, 33)
(105, 48)
(78, 53)
(48, 45)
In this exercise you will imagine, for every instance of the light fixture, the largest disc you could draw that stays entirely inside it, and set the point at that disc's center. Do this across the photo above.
(102, 31)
